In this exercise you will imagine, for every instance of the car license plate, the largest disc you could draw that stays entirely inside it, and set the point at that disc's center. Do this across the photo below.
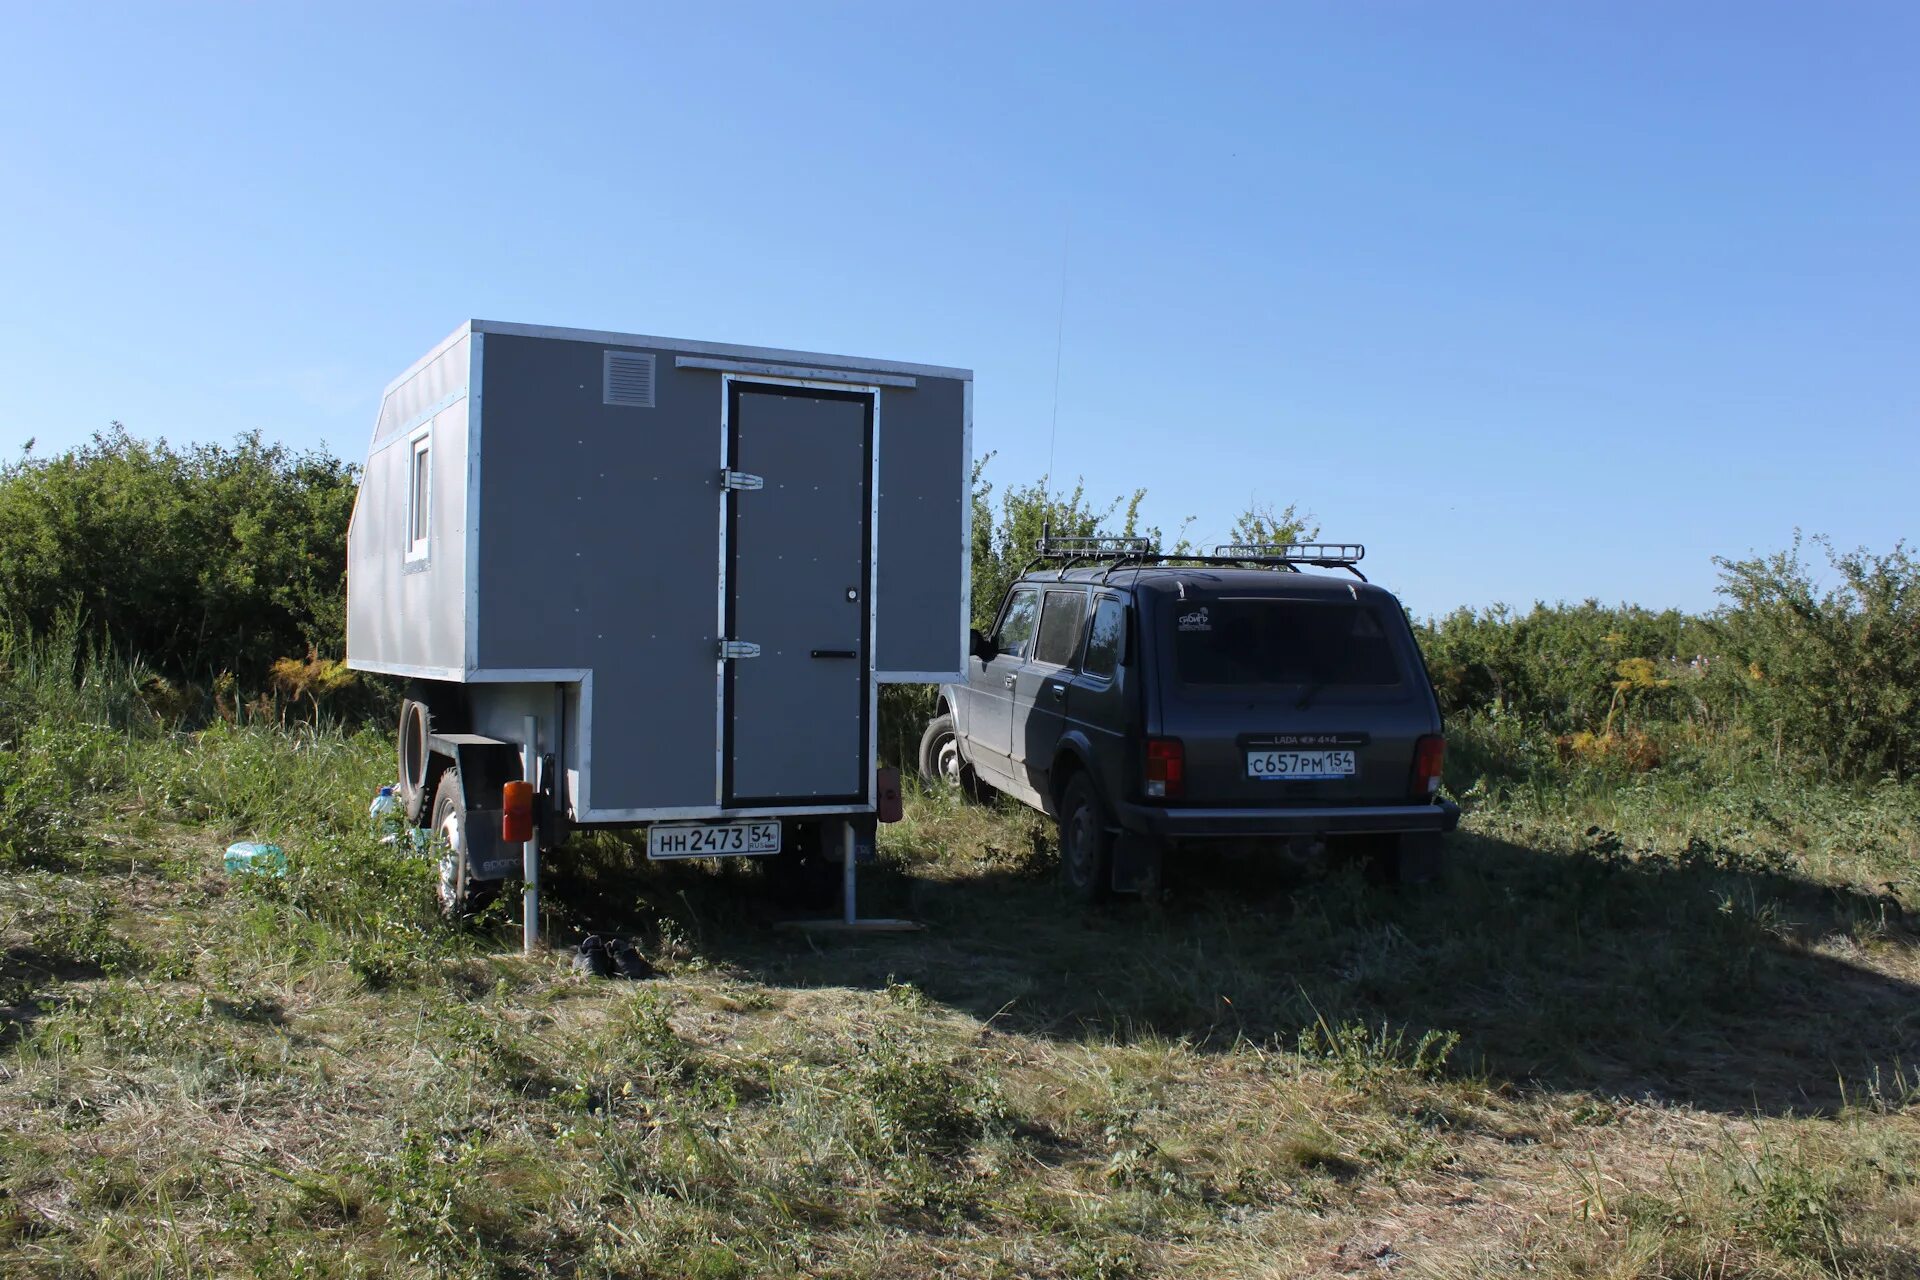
(1299, 766)
(712, 839)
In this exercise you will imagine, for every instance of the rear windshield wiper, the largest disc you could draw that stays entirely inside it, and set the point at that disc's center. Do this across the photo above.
(1308, 694)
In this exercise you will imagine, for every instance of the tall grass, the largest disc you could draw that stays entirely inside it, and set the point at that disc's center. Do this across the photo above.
(80, 723)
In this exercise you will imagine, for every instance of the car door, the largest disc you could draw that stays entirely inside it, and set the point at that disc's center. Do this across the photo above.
(1098, 698)
(1041, 686)
(987, 718)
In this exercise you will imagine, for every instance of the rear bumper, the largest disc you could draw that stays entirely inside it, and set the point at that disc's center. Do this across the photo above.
(1201, 824)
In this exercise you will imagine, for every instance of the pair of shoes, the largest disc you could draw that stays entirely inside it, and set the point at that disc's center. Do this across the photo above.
(604, 959)
(627, 960)
(591, 957)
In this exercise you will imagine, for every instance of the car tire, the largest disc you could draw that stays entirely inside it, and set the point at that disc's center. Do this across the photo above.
(940, 758)
(460, 895)
(1086, 846)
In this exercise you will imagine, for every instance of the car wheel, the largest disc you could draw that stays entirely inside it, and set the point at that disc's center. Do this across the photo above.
(460, 895)
(940, 758)
(1086, 846)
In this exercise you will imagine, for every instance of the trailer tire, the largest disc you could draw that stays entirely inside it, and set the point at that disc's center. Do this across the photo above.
(459, 893)
(416, 760)
(1086, 846)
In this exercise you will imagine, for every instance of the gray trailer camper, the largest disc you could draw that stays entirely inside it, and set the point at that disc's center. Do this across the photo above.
(660, 581)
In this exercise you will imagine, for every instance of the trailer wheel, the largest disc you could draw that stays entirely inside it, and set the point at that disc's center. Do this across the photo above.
(415, 759)
(460, 895)
(940, 759)
(1086, 846)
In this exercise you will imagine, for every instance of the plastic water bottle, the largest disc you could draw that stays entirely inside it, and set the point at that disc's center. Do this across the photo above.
(378, 813)
(249, 856)
(389, 823)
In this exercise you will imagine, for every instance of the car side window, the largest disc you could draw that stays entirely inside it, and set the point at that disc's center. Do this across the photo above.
(1060, 628)
(1016, 624)
(1103, 638)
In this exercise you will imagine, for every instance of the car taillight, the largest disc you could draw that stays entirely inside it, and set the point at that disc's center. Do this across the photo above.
(1166, 769)
(1428, 755)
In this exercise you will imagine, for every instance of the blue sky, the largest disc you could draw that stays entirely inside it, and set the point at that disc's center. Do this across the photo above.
(1539, 301)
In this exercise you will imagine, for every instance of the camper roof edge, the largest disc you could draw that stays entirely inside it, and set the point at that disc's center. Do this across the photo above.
(775, 354)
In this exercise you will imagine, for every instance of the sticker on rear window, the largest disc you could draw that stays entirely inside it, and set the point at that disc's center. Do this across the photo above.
(1195, 621)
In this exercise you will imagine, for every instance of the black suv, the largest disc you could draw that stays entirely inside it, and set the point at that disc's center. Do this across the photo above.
(1146, 702)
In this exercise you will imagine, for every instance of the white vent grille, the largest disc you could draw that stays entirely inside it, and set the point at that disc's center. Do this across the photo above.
(629, 379)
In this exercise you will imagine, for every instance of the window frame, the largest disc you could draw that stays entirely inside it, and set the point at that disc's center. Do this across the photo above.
(1120, 642)
(419, 449)
(1077, 642)
(1006, 608)
(1395, 654)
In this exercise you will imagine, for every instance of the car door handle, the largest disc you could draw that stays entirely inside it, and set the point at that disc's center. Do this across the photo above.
(1057, 690)
(836, 653)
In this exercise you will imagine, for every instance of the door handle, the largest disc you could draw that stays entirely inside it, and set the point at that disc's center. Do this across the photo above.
(1058, 690)
(1009, 682)
(836, 653)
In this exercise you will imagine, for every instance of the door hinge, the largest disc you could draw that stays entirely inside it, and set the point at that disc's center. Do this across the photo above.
(740, 480)
(730, 649)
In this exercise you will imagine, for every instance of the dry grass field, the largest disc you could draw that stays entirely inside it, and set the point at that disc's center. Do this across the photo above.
(1664, 1028)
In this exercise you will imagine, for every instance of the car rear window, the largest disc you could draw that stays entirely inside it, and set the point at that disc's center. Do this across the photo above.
(1259, 641)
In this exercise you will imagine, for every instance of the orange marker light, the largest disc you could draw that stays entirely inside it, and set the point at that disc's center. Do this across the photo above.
(516, 813)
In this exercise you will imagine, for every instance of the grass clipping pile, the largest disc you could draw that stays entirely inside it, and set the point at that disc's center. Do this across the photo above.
(1644, 1034)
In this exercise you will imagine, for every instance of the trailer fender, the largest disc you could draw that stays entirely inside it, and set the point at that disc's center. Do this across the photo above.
(486, 766)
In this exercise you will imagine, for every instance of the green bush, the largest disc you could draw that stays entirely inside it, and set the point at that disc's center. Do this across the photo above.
(1826, 679)
(1833, 674)
(201, 560)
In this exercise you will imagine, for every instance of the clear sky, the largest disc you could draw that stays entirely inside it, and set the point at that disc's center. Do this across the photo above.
(1538, 300)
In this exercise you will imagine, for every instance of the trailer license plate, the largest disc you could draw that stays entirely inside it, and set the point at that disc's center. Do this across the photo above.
(1299, 766)
(712, 839)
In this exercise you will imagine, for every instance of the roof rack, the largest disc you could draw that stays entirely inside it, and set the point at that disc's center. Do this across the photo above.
(1098, 547)
(1326, 555)
(1118, 553)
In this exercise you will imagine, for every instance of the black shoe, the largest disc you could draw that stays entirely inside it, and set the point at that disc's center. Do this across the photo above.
(627, 960)
(592, 957)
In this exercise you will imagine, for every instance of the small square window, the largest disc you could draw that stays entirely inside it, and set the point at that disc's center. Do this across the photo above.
(420, 498)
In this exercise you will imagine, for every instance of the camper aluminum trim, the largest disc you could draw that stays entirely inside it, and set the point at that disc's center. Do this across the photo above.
(793, 371)
(777, 355)
(410, 671)
(966, 539)
(405, 429)
(470, 593)
(413, 370)
(871, 587)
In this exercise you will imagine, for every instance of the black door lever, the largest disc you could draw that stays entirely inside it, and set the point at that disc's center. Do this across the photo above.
(836, 653)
